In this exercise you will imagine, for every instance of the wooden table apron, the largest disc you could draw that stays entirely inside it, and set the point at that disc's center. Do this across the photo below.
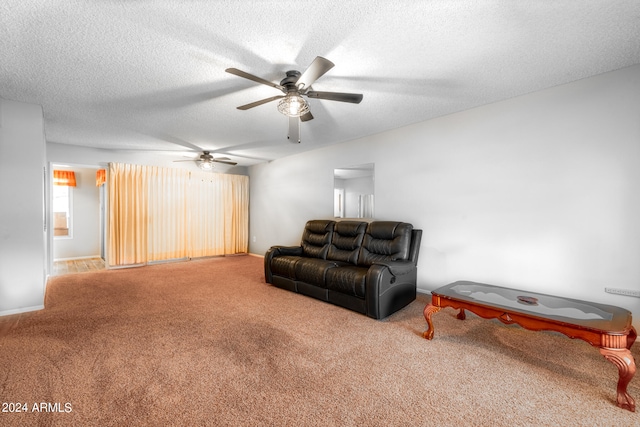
(614, 346)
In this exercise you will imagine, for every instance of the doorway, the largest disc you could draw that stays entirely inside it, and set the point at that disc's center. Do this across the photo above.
(77, 221)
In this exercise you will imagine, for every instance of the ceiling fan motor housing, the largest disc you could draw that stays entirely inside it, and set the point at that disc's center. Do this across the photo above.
(290, 81)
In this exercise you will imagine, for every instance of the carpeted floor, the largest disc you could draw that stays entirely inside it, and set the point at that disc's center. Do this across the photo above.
(208, 343)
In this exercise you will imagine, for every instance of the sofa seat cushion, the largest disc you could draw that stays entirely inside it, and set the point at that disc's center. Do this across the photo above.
(285, 266)
(349, 280)
(313, 271)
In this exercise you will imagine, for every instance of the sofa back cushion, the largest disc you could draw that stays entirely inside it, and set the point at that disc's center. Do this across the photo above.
(346, 241)
(316, 238)
(385, 241)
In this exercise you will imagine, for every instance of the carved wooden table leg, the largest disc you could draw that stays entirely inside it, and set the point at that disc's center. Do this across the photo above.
(622, 358)
(631, 338)
(461, 314)
(428, 311)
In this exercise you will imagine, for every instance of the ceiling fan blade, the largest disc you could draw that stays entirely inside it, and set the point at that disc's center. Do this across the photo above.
(256, 79)
(294, 130)
(354, 98)
(188, 160)
(318, 67)
(262, 101)
(306, 117)
(225, 162)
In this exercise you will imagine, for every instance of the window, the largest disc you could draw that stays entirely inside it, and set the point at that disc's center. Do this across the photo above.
(62, 202)
(63, 180)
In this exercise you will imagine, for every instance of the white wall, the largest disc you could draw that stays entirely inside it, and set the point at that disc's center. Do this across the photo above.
(538, 192)
(22, 219)
(85, 239)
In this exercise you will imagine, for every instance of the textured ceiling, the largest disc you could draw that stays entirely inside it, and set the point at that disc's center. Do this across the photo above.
(141, 75)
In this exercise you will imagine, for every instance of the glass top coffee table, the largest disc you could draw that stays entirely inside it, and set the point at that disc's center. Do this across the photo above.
(604, 326)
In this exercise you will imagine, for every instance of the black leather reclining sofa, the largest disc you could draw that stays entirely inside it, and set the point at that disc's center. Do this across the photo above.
(370, 268)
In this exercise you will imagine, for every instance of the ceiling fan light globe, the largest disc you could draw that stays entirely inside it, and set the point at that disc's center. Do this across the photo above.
(293, 105)
(205, 166)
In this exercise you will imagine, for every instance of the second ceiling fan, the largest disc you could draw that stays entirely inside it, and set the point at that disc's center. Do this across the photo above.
(205, 161)
(294, 86)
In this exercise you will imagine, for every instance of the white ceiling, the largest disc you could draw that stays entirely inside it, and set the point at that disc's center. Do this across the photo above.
(142, 75)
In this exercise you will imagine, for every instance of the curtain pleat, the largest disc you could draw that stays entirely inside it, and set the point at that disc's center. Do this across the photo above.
(168, 219)
(161, 214)
(219, 214)
(238, 224)
(128, 223)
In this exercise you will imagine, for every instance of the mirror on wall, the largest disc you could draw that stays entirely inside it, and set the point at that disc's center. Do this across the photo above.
(353, 191)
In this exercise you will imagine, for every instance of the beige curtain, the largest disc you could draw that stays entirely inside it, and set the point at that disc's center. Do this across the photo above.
(128, 222)
(161, 213)
(219, 208)
(168, 219)
(237, 221)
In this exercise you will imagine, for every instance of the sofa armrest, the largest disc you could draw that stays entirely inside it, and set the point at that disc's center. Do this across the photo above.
(390, 285)
(276, 251)
(286, 250)
(398, 268)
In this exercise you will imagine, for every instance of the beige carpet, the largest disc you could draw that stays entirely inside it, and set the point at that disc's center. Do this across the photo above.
(208, 343)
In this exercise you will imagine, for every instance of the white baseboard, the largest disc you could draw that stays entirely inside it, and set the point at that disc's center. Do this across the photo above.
(21, 310)
(76, 258)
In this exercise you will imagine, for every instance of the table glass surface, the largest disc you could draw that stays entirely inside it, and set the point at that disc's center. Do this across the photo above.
(583, 313)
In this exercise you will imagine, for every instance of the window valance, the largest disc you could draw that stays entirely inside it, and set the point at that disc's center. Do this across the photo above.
(101, 177)
(66, 178)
